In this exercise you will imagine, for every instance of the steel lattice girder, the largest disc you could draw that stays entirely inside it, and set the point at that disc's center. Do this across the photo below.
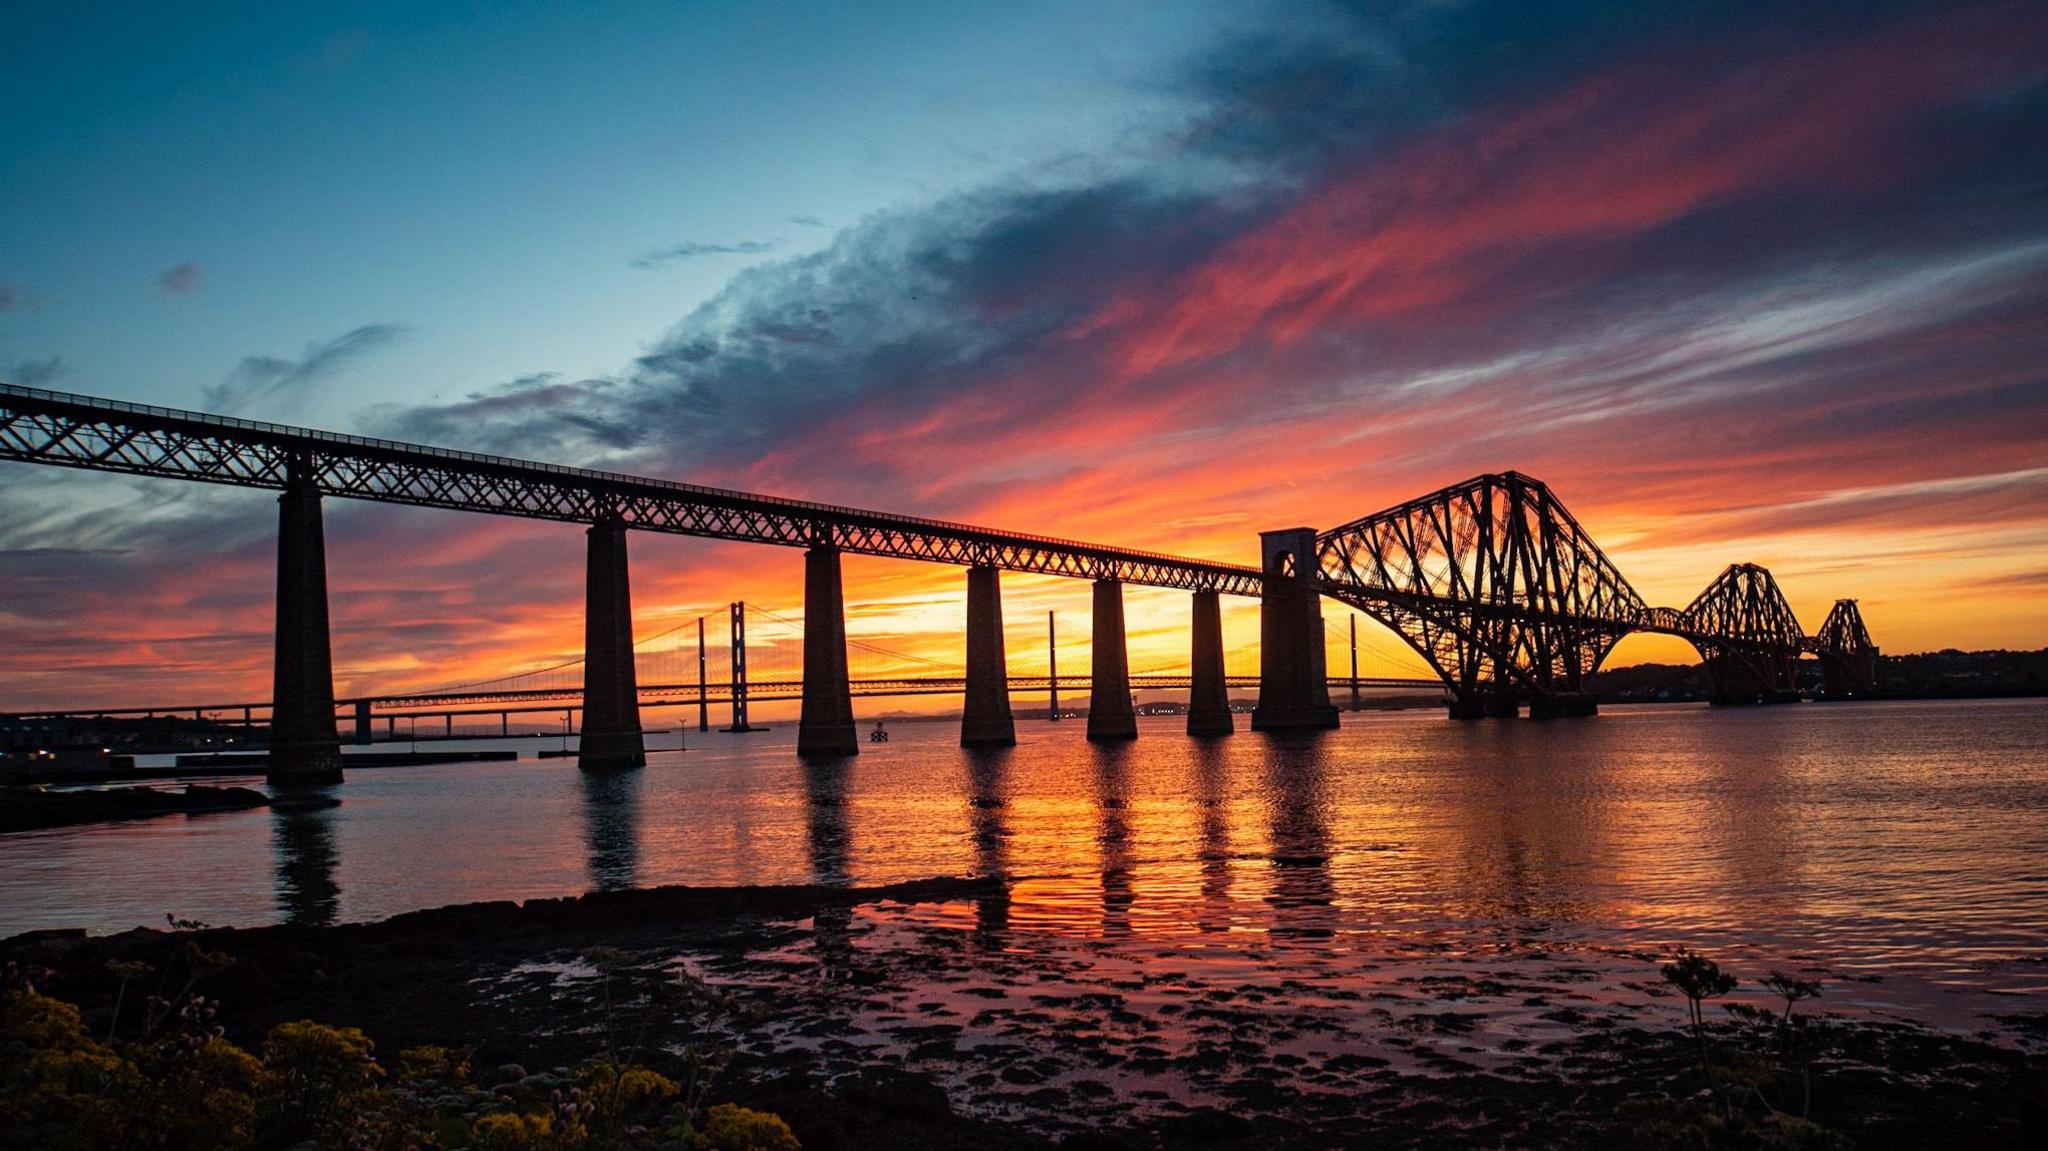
(1491, 580)
(1497, 585)
(1744, 605)
(1743, 617)
(1842, 633)
(80, 431)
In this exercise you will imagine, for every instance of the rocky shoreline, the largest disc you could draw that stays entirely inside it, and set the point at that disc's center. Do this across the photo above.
(34, 808)
(914, 1015)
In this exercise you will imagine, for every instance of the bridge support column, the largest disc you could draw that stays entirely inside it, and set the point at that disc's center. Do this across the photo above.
(1208, 691)
(1486, 701)
(825, 727)
(985, 721)
(305, 748)
(611, 692)
(1110, 714)
(1564, 705)
(362, 723)
(1294, 687)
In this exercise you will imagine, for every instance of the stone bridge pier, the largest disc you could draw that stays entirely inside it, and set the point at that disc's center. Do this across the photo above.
(825, 727)
(1294, 688)
(611, 692)
(985, 720)
(1111, 716)
(305, 748)
(1208, 691)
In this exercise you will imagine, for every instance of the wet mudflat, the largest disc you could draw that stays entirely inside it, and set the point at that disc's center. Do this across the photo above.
(916, 1016)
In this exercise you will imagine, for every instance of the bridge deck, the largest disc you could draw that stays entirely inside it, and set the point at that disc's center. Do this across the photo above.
(44, 427)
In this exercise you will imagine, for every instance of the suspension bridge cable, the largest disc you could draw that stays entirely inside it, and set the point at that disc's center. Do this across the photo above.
(538, 671)
(876, 649)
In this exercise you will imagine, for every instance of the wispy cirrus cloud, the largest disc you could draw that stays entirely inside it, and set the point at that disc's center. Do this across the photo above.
(694, 249)
(265, 378)
(36, 373)
(181, 279)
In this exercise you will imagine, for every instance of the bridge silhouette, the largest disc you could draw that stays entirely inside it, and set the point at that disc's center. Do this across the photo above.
(1491, 581)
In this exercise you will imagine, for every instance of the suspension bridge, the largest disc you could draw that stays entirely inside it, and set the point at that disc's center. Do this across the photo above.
(1491, 582)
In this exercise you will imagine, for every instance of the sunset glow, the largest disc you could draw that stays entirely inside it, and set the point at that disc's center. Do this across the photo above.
(1737, 290)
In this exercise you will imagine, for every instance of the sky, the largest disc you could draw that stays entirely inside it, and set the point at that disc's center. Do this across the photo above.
(1740, 283)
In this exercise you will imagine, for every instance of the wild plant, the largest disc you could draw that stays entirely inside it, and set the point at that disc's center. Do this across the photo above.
(1760, 1048)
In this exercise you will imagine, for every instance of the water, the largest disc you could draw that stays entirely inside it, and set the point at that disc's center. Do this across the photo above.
(1901, 846)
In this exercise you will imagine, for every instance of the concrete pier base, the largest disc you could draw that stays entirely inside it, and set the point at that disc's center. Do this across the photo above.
(825, 726)
(362, 735)
(985, 721)
(1294, 687)
(611, 693)
(1482, 703)
(305, 748)
(1111, 716)
(1566, 705)
(1208, 692)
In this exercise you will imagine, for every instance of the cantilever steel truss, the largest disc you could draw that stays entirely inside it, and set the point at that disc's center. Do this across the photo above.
(1505, 595)
(1491, 580)
(1843, 633)
(45, 427)
(1747, 634)
(1848, 657)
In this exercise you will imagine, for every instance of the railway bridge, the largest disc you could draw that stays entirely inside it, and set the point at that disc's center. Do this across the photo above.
(1491, 581)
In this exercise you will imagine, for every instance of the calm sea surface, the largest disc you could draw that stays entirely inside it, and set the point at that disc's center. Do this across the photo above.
(1906, 841)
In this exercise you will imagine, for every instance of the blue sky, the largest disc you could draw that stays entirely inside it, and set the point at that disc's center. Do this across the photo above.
(481, 178)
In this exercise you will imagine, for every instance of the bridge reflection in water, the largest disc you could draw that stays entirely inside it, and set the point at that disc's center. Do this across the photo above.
(988, 799)
(1113, 837)
(828, 843)
(308, 890)
(1755, 829)
(1297, 813)
(611, 828)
